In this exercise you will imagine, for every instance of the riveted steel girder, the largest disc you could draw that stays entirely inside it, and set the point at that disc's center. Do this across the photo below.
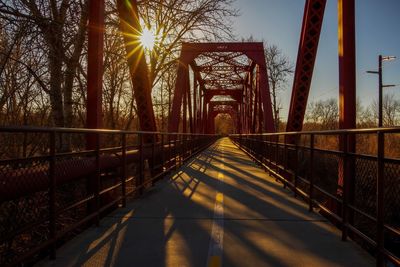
(236, 94)
(310, 33)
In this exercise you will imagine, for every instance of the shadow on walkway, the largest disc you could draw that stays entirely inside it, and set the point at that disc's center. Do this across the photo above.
(171, 224)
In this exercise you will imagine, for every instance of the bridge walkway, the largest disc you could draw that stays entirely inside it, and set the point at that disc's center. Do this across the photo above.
(219, 209)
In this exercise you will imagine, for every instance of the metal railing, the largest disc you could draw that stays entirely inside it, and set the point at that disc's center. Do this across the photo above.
(52, 186)
(350, 176)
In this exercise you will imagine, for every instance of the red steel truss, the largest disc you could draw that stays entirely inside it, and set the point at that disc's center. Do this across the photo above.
(95, 69)
(226, 78)
(224, 72)
(130, 26)
(309, 38)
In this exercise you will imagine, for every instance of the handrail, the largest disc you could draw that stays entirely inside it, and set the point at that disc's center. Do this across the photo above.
(104, 175)
(87, 130)
(370, 170)
(328, 132)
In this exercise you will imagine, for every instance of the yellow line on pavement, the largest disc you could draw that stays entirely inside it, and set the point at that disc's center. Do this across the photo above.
(215, 261)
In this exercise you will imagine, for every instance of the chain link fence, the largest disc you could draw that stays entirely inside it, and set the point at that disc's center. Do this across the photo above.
(356, 173)
(53, 185)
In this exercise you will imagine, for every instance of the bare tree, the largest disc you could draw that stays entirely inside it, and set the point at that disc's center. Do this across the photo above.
(323, 115)
(63, 34)
(390, 110)
(224, 124)
(21, 77)
(279, 68)
(177, 21)
(119, 108)
(364, 115)
(173, 22)
(54, 66)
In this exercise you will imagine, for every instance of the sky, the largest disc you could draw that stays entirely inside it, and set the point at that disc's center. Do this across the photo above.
(377, 32)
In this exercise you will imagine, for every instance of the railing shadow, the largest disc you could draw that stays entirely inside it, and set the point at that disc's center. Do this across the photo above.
(171, 224)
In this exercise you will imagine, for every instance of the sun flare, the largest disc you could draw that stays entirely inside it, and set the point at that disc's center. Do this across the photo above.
(148, 38)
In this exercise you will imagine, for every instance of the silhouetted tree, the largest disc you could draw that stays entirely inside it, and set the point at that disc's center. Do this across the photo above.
(279, 68)
(323, 114)
(61, 26)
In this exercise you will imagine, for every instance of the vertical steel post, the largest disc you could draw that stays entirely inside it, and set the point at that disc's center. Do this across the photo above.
(153, 157)
(251, 92)
(380, 119)
(185, 148)
(182, 81)
(189, 145)
(123, 170)
(346, 192)
(162, 152)
(182, 150)
(139, 181)
(205, 119)
(311, 192)
(195, 111)
(52, 194)
(347, 90)
(97, 179)
(269, 154)
(176, 156)
(277, 154)
(265, 97)
(285, 160)
(347, 65)
(264, 151)
(95, 69)
(169, 152)
(94, 87)
(184, 110)
(296, 163)
(189, 104)
(261, 115)
(244, 110)
(255, 108)
(380, 205)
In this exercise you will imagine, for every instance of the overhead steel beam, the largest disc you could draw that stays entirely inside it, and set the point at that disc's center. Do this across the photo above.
(223, 47)
(236, 94)
(227, 68)
(223, 103)
(223, 82)
(218, 59)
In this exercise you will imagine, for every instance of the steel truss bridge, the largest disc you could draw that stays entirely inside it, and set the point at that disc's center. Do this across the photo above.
(113, 178)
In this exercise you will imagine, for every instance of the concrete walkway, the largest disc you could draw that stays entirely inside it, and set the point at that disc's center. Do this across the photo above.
(220, 209)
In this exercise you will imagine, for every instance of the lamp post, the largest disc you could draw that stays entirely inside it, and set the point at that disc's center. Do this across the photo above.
(381, 86)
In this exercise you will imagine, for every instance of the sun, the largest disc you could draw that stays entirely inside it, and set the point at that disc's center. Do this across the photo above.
(148, 38)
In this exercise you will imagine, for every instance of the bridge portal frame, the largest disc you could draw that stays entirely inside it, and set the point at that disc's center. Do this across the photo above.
(255, 100)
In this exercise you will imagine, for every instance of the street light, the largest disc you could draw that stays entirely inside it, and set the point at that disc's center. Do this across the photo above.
(381, 86)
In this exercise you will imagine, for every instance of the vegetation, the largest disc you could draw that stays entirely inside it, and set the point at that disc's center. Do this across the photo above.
(279, 68)
(324, 115)
(43, 66)
(224, 124)
(43, 50)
